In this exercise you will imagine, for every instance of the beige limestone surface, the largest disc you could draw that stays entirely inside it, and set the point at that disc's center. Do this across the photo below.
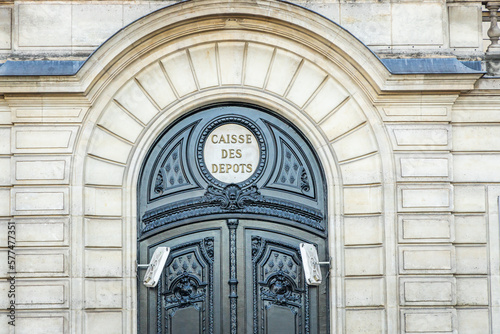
(411, 161)
(49, 28)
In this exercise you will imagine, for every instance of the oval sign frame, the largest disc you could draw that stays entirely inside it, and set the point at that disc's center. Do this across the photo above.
(232, 153)
(247, 124)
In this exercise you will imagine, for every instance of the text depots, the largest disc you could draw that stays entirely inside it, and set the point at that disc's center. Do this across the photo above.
(231, 153)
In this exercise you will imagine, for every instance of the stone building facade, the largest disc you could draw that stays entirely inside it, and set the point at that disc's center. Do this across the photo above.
(388, 111)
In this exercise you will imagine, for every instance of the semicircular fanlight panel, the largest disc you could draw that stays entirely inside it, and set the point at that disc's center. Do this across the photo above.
(224, 161)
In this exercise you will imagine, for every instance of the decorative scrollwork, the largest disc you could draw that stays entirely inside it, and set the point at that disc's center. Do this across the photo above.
(280, 290)
(232, 197)
(287, 184)
(256, 245)
(231, 200)
(208, 244)
(304, 181)
(185, 291)
(159, 183)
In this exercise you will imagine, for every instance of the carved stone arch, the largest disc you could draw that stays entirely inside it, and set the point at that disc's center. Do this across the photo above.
(344, 131)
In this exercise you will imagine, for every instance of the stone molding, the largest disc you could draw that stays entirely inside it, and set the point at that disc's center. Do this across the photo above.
(278, 18)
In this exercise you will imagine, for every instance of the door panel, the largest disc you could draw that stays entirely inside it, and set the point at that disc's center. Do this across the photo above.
(278, 286)
(187, 288)
(233, 276)
(187, 298)
(277, 298)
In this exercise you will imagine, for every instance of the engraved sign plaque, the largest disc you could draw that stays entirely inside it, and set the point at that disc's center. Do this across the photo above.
(231, 153)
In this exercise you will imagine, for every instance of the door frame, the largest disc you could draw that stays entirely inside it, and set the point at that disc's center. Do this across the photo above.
(359, 75)
(281, 143)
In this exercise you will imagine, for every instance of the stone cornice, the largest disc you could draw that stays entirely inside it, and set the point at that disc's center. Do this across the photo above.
(274, 18)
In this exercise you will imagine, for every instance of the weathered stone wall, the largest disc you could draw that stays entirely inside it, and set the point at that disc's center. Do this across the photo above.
(73, 29)
(411, 162)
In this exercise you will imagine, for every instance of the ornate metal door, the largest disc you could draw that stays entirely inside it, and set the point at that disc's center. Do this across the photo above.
(234, 265)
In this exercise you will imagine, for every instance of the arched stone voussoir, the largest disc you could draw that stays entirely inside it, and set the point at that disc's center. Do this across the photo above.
(306, 85)
(267, 18)
(184, 72)
(345, 132)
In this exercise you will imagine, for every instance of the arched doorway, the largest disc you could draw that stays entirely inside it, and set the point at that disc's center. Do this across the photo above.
(326, 94)
(232, 190)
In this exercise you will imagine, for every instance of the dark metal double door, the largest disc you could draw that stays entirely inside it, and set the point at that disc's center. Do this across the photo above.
(232, 276)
